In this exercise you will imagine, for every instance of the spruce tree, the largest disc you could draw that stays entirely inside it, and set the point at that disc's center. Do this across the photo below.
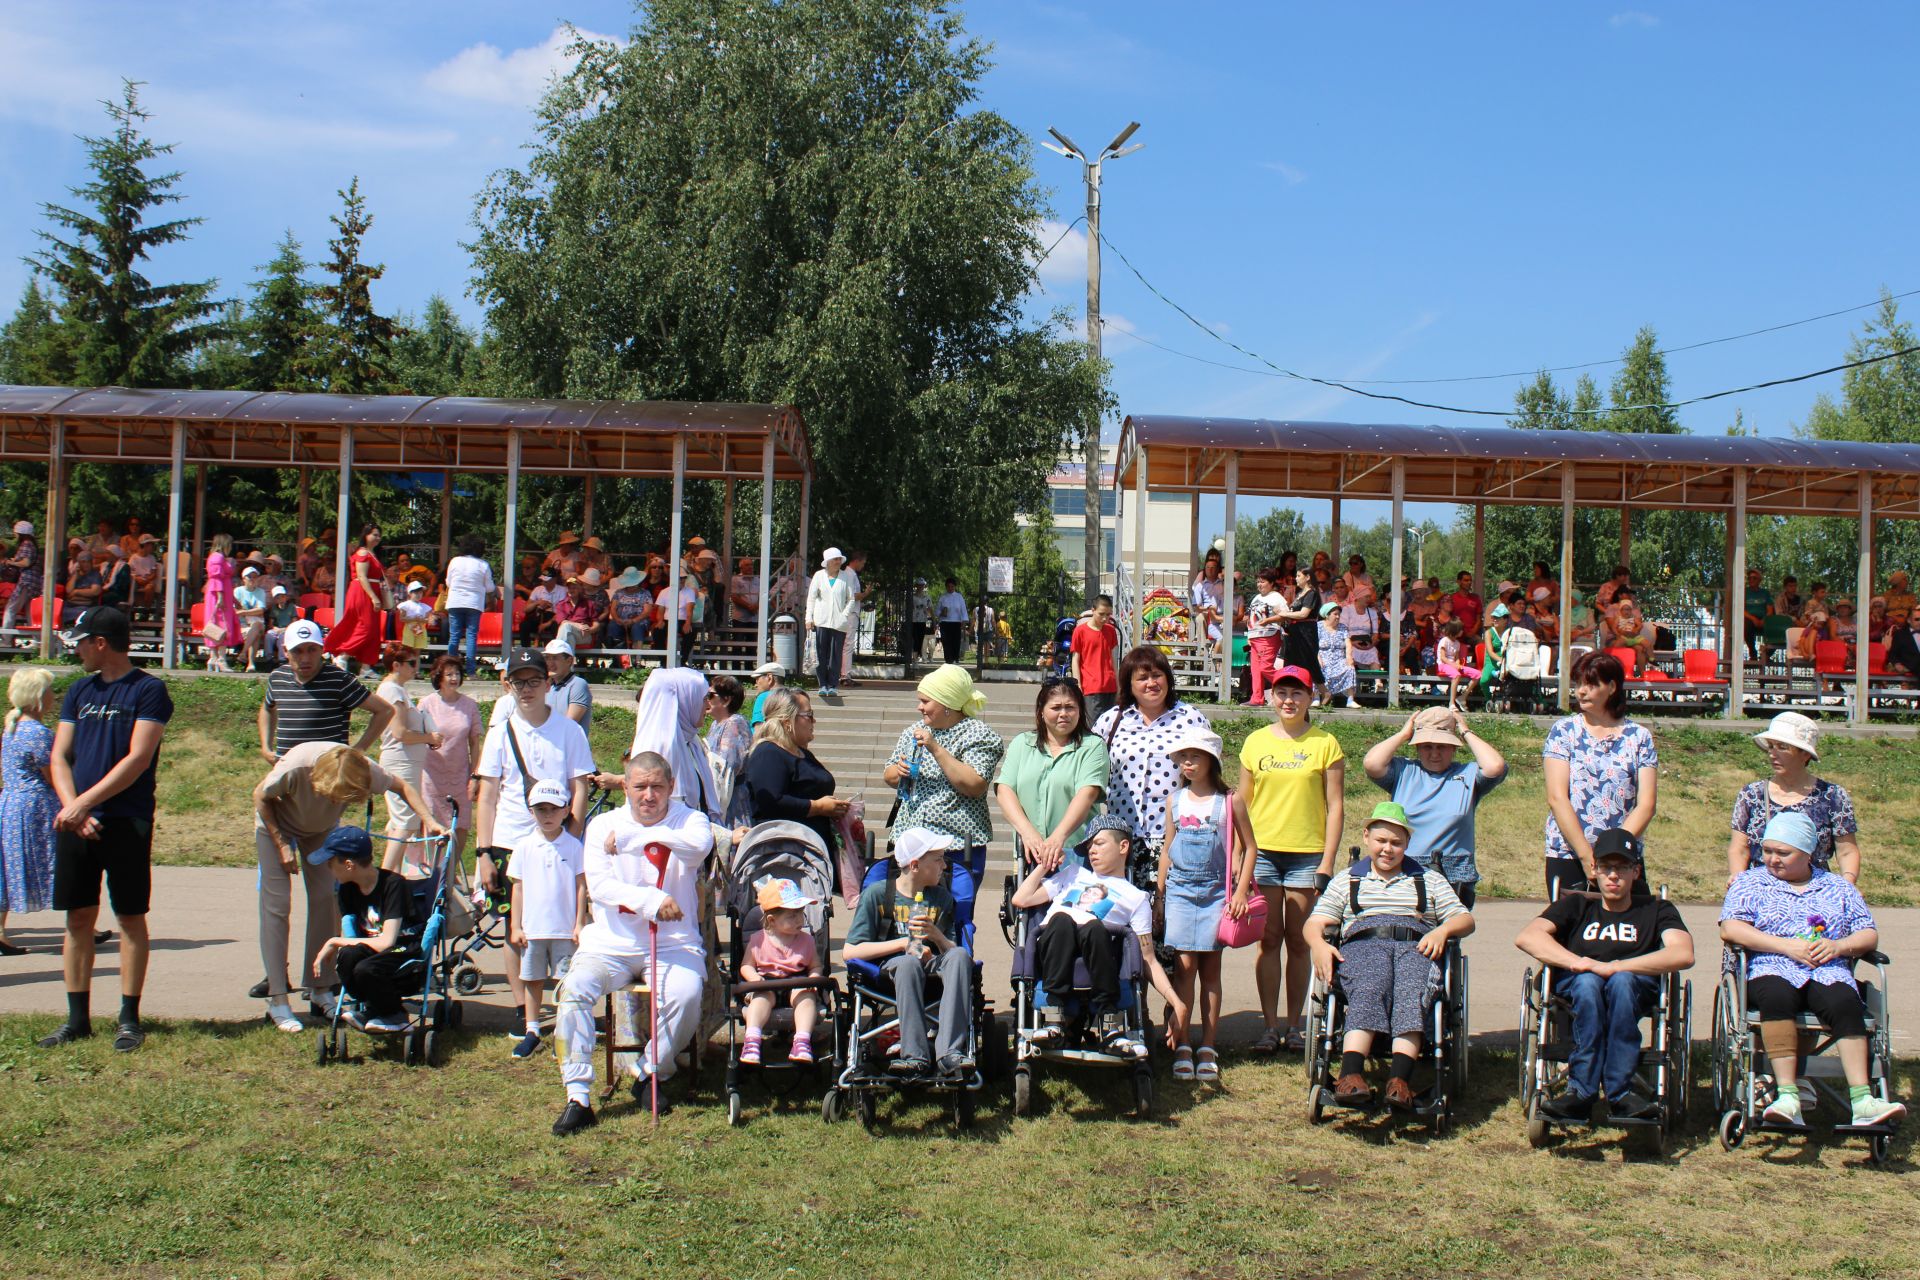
(359, 355)
(284, 330)
(30, 343)
(118, 327)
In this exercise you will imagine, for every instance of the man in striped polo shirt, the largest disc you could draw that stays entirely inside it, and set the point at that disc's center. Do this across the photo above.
(311, 700)
(1394, 921)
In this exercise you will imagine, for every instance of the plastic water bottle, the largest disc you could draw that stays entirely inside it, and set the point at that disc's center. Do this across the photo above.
(915, 947)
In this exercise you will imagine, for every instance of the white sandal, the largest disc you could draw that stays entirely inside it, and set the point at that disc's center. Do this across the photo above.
(1183, 1063)
(1208, 1070)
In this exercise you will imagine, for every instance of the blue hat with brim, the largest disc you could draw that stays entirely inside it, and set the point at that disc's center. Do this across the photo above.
(351, 843)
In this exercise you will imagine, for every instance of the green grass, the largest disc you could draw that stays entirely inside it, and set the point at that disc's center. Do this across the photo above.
(210, 764)
(221, 1150)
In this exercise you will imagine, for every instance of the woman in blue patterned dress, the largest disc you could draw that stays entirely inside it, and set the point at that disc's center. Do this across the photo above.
(1600, 770)
(27, 804)
(1792, 744)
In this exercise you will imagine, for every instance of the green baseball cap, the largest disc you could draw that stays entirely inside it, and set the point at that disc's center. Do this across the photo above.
(1390, 811)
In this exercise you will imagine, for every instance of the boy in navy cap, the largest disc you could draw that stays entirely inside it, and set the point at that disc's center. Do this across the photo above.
(380, 902)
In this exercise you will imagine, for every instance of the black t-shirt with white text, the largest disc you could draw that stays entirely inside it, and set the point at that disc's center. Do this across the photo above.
(390, 899)
(1583, 925)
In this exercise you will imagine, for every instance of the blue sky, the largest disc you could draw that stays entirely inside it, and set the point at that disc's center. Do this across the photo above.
(1388, 191)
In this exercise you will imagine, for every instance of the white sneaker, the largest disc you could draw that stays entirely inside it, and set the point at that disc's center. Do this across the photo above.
(1353, 702)
(1782, 1110)
(284, 1018)
(1871, 1110)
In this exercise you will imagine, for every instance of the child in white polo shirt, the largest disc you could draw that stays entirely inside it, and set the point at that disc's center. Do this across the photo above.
(548, 875)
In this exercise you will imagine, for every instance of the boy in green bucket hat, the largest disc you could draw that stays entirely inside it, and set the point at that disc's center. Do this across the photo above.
(1393, 922)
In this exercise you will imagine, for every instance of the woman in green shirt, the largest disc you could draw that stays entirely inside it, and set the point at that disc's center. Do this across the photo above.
(1052, 778)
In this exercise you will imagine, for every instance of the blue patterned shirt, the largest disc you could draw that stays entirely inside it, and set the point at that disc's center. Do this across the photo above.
(1603, 776)
(1829, 906)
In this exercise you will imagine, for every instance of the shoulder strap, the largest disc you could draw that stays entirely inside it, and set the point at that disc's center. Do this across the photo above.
(1420, 893)
(526, 779)
(1353, 893)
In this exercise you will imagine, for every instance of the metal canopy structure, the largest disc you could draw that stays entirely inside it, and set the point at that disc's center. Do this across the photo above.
(1481, 466)
(587, 439)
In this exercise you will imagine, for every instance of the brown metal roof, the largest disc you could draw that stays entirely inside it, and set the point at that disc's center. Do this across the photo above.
(1508, 466)
(280, 429)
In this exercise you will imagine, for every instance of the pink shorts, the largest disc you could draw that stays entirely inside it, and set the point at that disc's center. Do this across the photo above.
(1452, 672)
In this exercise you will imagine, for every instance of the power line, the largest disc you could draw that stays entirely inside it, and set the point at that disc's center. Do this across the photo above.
(1448, 408)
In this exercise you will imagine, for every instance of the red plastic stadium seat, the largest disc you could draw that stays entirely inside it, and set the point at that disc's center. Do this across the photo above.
(197, 618)
(1876, 659)
(1830, 658)
(59, 591)
(489, 637)
(1627, 658)
(324, 616)
(315, 600)
(1702, 666)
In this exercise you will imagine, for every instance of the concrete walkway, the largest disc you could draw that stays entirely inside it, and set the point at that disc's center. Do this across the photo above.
(206, 954)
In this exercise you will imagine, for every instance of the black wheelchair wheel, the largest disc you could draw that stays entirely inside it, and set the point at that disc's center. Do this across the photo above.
(833, 1107)
(1733, 1130)
(1143, 1093)
(323, 1048)
(868, 1108)
(467, 978)
(339, 1044)
(965, 1107)
(1022, 1090)
(430, 1048)
(1539, 1132)
(734, 1107)
(1879, 1148)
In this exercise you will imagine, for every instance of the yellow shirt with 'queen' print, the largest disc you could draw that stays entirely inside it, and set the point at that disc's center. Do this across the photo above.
(1285, 781)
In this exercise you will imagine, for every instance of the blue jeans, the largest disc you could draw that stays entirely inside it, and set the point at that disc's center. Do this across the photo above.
(463, 635)
(1606, 1030)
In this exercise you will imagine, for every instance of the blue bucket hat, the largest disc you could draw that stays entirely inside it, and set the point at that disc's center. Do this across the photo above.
(351, 843)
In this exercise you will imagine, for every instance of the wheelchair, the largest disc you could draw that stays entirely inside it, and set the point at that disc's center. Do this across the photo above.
(1546, 1048)
(1443, 1047)
(1742, 1076)
(870, 1025)
(1082, 1046)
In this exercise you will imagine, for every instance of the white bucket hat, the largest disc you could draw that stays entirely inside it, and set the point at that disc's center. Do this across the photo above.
(1198, 739)
(831, 554)
(1791, 729)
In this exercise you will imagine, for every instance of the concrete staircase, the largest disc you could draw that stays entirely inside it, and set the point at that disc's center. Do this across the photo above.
(855, 733)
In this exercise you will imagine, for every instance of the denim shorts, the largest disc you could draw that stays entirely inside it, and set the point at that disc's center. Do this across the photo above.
(1286, 870)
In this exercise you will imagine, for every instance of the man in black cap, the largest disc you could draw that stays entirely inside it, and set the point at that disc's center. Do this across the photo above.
(105, 754)
(1610, 950)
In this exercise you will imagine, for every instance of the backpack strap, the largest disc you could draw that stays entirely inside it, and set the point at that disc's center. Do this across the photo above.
(1420, 892)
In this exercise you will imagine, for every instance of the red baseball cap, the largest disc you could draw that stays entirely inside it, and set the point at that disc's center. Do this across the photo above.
(1298, 675)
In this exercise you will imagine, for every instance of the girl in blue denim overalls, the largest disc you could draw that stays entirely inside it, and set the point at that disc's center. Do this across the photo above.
(1192, 894)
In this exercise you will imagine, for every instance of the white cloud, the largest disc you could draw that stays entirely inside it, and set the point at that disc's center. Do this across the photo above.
(1294, 176)
(1633, 18)
(1066, 264)
(483, 73)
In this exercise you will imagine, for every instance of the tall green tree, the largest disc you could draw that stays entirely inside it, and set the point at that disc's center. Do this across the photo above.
(1259, 544)
(438, 355)
(798, 203)
(30, 343)
(1641, 390)
(118, 327)
(285, 329)
(359, 340)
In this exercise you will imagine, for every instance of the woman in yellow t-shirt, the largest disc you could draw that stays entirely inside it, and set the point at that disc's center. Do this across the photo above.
(1291, 775)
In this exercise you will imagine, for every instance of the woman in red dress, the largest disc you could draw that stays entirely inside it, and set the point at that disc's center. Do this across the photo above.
(356, 634)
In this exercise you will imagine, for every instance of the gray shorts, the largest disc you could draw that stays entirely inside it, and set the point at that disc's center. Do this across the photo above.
(1286, 870)
(546, 958)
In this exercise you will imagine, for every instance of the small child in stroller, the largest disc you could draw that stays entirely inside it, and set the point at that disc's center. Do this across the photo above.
(781, 948)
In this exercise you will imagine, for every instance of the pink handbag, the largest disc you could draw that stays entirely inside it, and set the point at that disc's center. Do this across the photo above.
(1249, 928)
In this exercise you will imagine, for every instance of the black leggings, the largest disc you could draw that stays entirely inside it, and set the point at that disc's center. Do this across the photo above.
(1062, 942)
(1834, 1003)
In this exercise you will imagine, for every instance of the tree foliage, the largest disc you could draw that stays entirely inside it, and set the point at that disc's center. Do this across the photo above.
(358, 340)
(284, 328)
(797, 203)
(29, 354)
(117, 327)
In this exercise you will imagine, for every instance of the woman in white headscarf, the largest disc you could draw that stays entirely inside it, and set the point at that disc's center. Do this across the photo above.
(672, 705)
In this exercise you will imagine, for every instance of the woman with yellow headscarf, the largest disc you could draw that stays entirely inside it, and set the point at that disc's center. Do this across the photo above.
(943, 766)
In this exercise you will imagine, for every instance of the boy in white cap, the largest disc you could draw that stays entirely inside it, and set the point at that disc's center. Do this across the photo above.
(549, 901)
(1091, 907)
(909, 927)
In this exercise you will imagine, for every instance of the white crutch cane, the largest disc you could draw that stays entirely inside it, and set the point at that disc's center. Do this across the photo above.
(657, 854)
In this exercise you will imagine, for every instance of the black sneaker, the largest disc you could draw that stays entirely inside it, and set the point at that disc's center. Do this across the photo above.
(909, 1067)
(956, 1066)
(575, 1118)
(129, 1037)
(65, 1033)
(642, 1091)
(259, 990)
(1569, 1107)
(1633, 1106)
(529, 1045)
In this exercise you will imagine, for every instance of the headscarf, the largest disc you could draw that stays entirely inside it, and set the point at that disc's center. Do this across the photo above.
(1794, 829)
(952, 687)
(671, 704)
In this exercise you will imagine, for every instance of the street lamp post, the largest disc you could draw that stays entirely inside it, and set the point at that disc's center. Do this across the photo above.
(1419, 534)
(1090, 171)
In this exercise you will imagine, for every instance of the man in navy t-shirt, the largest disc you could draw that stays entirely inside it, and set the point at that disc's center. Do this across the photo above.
(105, 754)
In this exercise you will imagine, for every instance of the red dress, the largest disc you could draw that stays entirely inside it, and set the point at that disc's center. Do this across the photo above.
(357, 631)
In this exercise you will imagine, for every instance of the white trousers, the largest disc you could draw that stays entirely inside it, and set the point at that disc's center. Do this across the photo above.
(591, 977)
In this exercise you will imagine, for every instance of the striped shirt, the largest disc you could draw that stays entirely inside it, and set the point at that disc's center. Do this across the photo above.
(317, 711)
(1382, 896)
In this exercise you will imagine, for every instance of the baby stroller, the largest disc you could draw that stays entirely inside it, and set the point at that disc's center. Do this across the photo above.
(872, 1027)
(1524, 664)
(1546, 1048)
(1061, 651)
(434, 1009)
(790, 851)
(1443, 1042)
(1082, 1044)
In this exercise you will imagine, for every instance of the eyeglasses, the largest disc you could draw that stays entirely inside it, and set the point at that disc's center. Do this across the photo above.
(528, 686)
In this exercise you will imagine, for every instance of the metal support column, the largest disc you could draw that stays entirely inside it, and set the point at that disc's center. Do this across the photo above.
(1737, 651)
(673, 540)
(446, 522)
(169, 580)
(510, 548)
(1399, 563)
(1333, 536)
(586, 509)
(766, 550)
(55, 546)
(342, 509)
(802, 569)
(1480, 556)
(1566, 583)
(1139, 539)
(300, 518)
(1863, 590)
(1626, 536)
(1229, 595)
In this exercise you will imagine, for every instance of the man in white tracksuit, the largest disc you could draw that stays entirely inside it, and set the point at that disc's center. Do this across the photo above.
(624, 850)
